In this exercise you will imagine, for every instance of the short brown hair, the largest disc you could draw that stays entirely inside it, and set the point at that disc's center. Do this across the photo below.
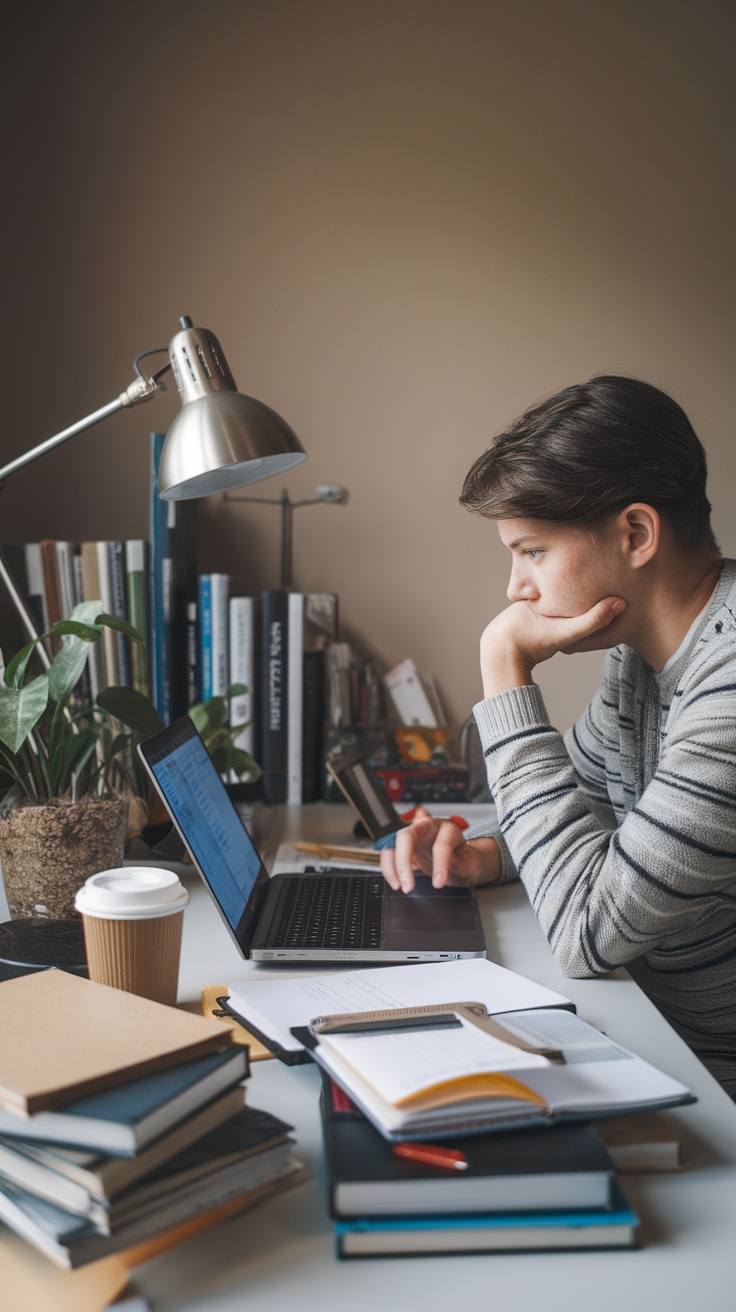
(589, 451)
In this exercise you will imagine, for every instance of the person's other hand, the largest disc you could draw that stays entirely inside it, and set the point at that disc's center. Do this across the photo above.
(438, 848)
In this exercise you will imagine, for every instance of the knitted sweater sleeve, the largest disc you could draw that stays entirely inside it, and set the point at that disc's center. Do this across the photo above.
(586, 743)
(606, 897)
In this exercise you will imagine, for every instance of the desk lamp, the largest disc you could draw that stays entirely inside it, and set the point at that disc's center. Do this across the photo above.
(220, 439)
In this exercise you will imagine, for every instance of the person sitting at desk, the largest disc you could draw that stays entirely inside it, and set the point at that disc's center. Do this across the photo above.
(624, 831)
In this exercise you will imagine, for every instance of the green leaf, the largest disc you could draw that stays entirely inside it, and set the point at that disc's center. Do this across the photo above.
(20, 711)
(89, 632)
(131, 708)
(16, 670)
(199, 716)
(81, 747)
(120, 626)
(86, 612)
(243, 764)
(237, 690)
(217, 710)
(66, 669)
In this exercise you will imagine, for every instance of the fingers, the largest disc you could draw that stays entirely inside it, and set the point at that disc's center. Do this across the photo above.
(397, 863)
(449, 836)
(388, 868)
(413, 851)
(592, 622)
(606, 610)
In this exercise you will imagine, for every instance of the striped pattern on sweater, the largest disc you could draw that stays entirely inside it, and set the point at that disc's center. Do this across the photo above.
(624, 833)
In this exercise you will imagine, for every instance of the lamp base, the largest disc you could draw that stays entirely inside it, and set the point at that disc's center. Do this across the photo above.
(33, 944)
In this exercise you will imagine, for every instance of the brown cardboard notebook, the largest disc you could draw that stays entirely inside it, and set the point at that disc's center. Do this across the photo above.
(63, 1037)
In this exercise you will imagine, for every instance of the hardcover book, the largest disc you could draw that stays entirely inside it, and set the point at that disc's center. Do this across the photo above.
(549, 1168)
(614, 1227)
(86, 1037)
(51, 1169)
(243, 616)
(124, 1118)
(274, 714)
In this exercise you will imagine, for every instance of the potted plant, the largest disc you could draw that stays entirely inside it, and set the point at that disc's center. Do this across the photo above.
(67, 769)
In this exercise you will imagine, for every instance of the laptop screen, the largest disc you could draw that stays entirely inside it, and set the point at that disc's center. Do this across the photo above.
(198, 803)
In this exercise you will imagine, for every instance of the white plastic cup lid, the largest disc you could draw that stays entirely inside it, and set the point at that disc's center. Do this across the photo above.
(132, 893)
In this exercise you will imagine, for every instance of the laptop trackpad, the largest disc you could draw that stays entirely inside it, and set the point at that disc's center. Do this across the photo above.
(442, 913)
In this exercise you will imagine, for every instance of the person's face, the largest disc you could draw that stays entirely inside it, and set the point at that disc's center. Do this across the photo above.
(561, 569)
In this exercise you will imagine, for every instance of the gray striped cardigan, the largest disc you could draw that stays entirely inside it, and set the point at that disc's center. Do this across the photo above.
(624, 833)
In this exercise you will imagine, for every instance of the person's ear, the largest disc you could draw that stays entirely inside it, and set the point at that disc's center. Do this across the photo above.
(640, 529)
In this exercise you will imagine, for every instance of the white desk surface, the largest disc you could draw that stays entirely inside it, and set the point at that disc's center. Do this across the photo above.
(280, 1255)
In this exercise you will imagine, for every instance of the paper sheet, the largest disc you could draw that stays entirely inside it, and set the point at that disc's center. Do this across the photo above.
(273, 1006)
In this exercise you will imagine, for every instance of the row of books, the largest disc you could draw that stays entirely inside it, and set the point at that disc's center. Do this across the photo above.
(137, 1124)
(275, 647)
(468, 1127)
(545, 1188)
(54, 576)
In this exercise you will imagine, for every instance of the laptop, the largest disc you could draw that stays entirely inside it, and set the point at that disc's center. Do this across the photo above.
(335, 916)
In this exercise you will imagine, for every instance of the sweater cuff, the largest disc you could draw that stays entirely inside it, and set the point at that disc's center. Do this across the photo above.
(514, 709)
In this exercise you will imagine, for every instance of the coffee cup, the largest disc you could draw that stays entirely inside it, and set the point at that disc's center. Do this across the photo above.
(132, 919)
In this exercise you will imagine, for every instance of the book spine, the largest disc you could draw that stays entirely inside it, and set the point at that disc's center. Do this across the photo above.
(163, 518)
(116, 563)
(205, 636)
(274, 694)
(184, 588)
(65, 565)
(83, 691)
(242, 669)
(35, 587)
(295, 707)
(77, 574)
(91, 592)
(193, 680)
(51, 587)
(313, 717)
(109, 638)
(220, 595)
(136, 577)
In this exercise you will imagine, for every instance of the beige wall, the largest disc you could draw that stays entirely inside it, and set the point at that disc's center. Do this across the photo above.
(405, 220)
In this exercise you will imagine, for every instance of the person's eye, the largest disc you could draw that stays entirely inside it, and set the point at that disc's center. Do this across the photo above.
(533, 552)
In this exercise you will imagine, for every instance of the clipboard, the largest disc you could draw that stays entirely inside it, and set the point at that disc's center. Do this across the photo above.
(286, 1055)
(409, 1020)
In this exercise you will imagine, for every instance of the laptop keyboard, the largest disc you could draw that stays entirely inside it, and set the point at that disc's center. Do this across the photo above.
(324, 911)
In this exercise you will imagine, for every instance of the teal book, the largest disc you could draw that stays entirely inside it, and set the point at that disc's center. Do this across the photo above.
(386, 1236)
(123, 1119)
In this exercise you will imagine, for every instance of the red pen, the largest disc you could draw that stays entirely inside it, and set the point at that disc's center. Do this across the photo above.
(431, 1154)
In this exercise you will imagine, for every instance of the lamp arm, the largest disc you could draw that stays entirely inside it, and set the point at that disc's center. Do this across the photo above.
(141, 389)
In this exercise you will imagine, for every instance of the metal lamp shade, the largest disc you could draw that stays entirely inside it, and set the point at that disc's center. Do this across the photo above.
(221, 439)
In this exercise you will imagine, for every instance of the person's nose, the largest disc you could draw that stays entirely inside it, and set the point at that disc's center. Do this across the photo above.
(521, 586)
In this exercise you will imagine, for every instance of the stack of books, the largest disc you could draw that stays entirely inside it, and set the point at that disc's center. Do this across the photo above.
(123, 1122)
(552, 1187)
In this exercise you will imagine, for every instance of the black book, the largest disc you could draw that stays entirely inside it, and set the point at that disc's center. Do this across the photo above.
(548, 1168)
(274, 693)
(313, 725)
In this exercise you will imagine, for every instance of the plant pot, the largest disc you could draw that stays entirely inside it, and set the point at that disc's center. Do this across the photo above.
(47, 852)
